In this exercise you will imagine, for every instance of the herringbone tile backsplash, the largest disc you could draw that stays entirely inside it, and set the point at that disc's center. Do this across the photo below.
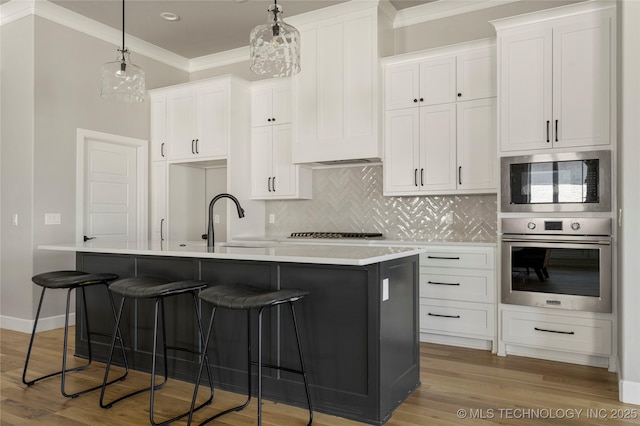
(349, 199)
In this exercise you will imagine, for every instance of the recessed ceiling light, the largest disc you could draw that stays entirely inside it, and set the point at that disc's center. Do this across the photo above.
(169, 16)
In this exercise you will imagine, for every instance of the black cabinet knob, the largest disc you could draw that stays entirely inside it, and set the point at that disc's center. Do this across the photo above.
(421, 99)
(459, 95)
(268, 119)
(415, 100)
(273, 119)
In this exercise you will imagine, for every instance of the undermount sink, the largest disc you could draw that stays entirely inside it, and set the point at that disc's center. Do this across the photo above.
(233, 244)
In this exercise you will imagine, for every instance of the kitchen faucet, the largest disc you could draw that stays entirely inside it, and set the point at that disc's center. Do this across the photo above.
(210, 242)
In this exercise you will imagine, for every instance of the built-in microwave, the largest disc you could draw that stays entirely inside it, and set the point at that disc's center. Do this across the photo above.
(558, 182)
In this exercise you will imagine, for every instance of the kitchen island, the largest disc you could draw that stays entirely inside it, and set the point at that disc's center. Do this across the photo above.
(359, 324)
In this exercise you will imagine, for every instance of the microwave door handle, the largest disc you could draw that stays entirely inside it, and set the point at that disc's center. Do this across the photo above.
(559, 240)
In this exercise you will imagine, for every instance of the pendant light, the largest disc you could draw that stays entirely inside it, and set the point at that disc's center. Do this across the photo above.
(123, 81)
(274, 48)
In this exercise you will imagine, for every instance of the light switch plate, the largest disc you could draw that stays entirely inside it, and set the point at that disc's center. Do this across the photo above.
(385, 289)
(52, 219)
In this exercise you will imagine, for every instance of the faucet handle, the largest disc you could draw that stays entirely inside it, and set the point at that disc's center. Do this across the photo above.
(204, 236)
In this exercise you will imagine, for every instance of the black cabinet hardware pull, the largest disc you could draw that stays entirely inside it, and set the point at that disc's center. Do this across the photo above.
(548, 131)
(421, 99)
(459, 175)
(421, 177)
(88, 238)
(269, 184)
(556, 130)
(273, 119)
(273, 183)
(193, 151)
(161, 226)
(443, 316)
(197, 140)
(443, 257)
(415, 100)
(553, 331)
(459, 95)
(415, 177)
(162, 149)
(269, 120)
(439, 283)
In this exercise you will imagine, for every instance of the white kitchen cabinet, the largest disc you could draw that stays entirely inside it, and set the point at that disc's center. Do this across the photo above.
(271, 102)
(158, 193)
(335, 95)
(158, 131)
(556, 80)
(441, 142)
(440, 76)
(457, 295)
(198, 122)
(274, 176)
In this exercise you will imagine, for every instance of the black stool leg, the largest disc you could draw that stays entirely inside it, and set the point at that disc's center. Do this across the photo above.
(259, 366)
(302, 367)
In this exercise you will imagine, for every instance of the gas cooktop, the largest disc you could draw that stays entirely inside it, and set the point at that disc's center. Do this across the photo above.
(353, 235)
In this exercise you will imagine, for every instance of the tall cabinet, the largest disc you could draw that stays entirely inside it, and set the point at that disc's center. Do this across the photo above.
(440, 121)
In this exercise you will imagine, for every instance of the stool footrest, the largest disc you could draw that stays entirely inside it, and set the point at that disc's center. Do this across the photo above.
(278, 367)
(182, 349)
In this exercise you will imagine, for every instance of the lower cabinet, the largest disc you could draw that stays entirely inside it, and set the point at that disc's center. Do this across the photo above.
(561, 337)
(457, 296)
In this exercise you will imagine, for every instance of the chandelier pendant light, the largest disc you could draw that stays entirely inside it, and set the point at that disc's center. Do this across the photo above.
(274, 47)
(123, 81)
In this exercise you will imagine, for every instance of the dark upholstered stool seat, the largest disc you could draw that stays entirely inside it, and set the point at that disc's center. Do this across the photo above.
(158, 289)
(242, 296)
(151, 287)
(69, 279)
(249, 298)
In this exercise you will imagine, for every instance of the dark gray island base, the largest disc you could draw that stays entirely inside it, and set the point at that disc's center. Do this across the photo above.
(362, 353)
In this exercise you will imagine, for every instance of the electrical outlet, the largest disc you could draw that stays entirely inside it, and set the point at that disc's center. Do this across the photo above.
(52, 219)
(385, 289)
(216, 218)
(449, 218)
(15, 219)
(272, 218)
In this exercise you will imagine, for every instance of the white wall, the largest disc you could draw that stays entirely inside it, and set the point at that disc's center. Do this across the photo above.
(629, 199)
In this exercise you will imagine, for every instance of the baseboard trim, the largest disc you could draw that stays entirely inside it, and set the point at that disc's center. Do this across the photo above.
(26, 326)
(629, 392)
(463, 342)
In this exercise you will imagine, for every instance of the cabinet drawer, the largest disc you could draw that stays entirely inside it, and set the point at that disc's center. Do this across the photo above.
(458, 258)
(475, 319)
(570, 334)
(470, 285)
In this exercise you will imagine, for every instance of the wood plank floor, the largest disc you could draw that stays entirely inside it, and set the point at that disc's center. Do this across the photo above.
(487, 388)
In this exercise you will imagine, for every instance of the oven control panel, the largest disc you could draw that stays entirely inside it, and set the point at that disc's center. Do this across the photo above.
(557, 226)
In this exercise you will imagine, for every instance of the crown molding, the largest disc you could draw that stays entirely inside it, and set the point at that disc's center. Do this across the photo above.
(442, 9)
(227, 57)
(17, 9)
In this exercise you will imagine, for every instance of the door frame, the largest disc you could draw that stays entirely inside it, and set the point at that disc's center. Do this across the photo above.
(142, 154)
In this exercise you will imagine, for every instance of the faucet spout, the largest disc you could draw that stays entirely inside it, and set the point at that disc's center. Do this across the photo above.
(210, 234)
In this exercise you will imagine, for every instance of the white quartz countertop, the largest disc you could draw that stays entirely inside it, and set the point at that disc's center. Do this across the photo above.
(270, 251)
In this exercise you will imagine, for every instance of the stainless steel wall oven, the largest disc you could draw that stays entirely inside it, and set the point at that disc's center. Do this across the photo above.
(558, 182)
(557, 263)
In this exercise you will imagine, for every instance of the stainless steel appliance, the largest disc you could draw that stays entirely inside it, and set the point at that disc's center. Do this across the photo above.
(557, 263)
(558, 182)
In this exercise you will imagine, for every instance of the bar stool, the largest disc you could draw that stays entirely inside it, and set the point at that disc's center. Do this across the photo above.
(245, 297)
(158, 289)
(71, 280)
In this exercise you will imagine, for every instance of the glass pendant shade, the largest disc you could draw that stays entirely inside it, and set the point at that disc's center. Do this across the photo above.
(274, 47)
(123, 81)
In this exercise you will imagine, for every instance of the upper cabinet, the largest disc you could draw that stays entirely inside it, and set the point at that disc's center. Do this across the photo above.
(557, 78)
(271, 103)
(442, 79)
(335, 95)
(440, 122)
(194, 121)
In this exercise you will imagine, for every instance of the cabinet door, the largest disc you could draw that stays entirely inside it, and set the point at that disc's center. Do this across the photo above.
(284, 180)
(476, 147)
(438, 81)
(476, 74)
(401, 159)
(158, 201)
(181, 108)
(261, 107)
(581, 82)
(402, 86)
(261, 161)
(438, 147)
(212, 122)
(158, 131)
(525, 90)
(281, 103)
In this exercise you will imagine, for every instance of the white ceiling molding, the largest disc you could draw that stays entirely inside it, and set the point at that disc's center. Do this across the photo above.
(16, 9)
(227, 57)
(442, 9)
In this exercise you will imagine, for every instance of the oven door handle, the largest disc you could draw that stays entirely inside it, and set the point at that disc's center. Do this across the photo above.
(557, 240)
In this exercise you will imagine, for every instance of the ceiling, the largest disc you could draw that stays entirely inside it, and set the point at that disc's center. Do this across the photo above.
(205, 26)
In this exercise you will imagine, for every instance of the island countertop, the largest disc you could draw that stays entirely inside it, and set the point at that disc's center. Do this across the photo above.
(270, 251)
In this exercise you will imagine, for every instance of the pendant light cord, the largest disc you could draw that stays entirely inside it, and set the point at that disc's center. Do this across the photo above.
(123, 48)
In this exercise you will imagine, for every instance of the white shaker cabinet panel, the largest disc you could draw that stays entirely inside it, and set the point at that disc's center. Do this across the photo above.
(261, 161)
(402, 150)
(212, 122)
(477, 144)
(476, 74)
(158, 195)
(402, 86)
(438, 81)
(158, 130)
(271, 103)
(181, 108)
(437, 147)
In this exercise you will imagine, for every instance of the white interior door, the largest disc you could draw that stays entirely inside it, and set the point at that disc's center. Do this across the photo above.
(110, 201)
